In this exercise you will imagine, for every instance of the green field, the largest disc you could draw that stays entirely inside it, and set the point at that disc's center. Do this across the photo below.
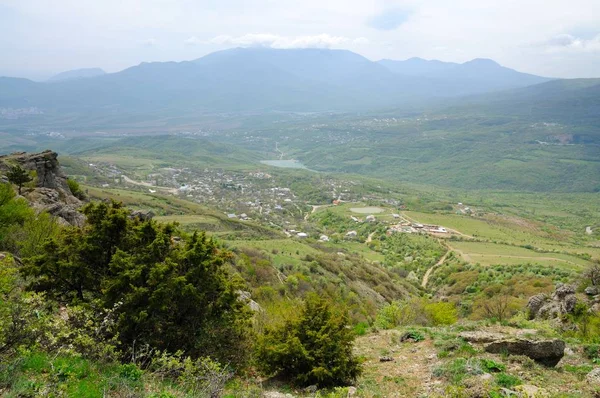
(492, 254)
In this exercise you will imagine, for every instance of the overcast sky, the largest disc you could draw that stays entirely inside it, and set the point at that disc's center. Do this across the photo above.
(557, 38)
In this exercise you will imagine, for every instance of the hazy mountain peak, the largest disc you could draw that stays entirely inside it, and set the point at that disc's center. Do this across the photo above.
(77, 74)
(483, 62)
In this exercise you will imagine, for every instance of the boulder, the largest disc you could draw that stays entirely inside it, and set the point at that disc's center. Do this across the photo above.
(531, 391)
(593, 377)
(592, 290)
(546, 352)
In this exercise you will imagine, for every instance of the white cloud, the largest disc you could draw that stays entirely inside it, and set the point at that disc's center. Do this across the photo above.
(278, 41)
(193, 41)
(566, 42)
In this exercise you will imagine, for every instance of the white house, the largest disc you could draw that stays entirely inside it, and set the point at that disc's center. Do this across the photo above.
(351, 234)
(324, 238)
(302, 235)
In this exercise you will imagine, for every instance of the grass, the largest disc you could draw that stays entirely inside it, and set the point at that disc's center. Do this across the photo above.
(492, 253)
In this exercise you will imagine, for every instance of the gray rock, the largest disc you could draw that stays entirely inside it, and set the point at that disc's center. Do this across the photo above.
(562, 301)
(592, 290)
(546, 352)
(143, 215)
(593, 377)
(531, 391)
(247, 298)
(311, 389)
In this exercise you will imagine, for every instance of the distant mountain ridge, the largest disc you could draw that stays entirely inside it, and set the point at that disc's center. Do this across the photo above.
(477, 75)
(261, 79)
(77, 74)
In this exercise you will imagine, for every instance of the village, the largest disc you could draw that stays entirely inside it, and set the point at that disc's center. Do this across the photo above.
(261, 197)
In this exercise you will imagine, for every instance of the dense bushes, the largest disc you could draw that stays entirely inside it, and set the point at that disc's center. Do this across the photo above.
(416, 311)
(314, 348)
(167, 292)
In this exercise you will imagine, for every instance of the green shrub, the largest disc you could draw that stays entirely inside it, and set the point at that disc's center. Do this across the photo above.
(130, 371)
(414, 335)
(441, 313)
(361, 328)
(314, 348)
(492, 366)
(592, 351)
(75, 189)
(507, 381)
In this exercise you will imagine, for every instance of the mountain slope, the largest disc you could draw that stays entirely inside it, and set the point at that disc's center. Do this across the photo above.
(569, 101)
(475, 76)
(256, 80)
(77, 74)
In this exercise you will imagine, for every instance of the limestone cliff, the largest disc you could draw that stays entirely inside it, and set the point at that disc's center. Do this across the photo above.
(50, 191)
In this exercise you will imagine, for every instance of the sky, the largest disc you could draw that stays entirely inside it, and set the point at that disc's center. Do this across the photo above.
(554, 38)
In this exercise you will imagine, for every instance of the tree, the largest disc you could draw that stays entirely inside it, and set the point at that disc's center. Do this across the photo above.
(314, 348)
(18, 176)
(593, 274)
(168, 294)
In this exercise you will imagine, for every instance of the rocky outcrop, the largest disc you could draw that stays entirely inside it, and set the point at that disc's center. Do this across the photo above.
(51, 192)
(562, 301)
(546, 352)
(45, 164)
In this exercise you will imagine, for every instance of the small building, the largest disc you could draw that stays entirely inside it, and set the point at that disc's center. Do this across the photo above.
(588, 230)
(324, 238)
(370, 218)
(302, 235)
(354, 218)
(337, 202)
(351, 234)
(396, 215)
(231, 215)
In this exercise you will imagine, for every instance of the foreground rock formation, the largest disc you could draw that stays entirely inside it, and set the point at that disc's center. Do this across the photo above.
(50, 191)
(546, 352)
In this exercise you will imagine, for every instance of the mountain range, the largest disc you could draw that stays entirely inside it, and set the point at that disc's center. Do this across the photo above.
(261, 79)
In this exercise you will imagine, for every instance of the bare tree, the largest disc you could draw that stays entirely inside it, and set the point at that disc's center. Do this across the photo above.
(593, 274)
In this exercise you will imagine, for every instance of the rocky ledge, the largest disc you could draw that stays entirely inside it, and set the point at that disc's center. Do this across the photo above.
(51, 192)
